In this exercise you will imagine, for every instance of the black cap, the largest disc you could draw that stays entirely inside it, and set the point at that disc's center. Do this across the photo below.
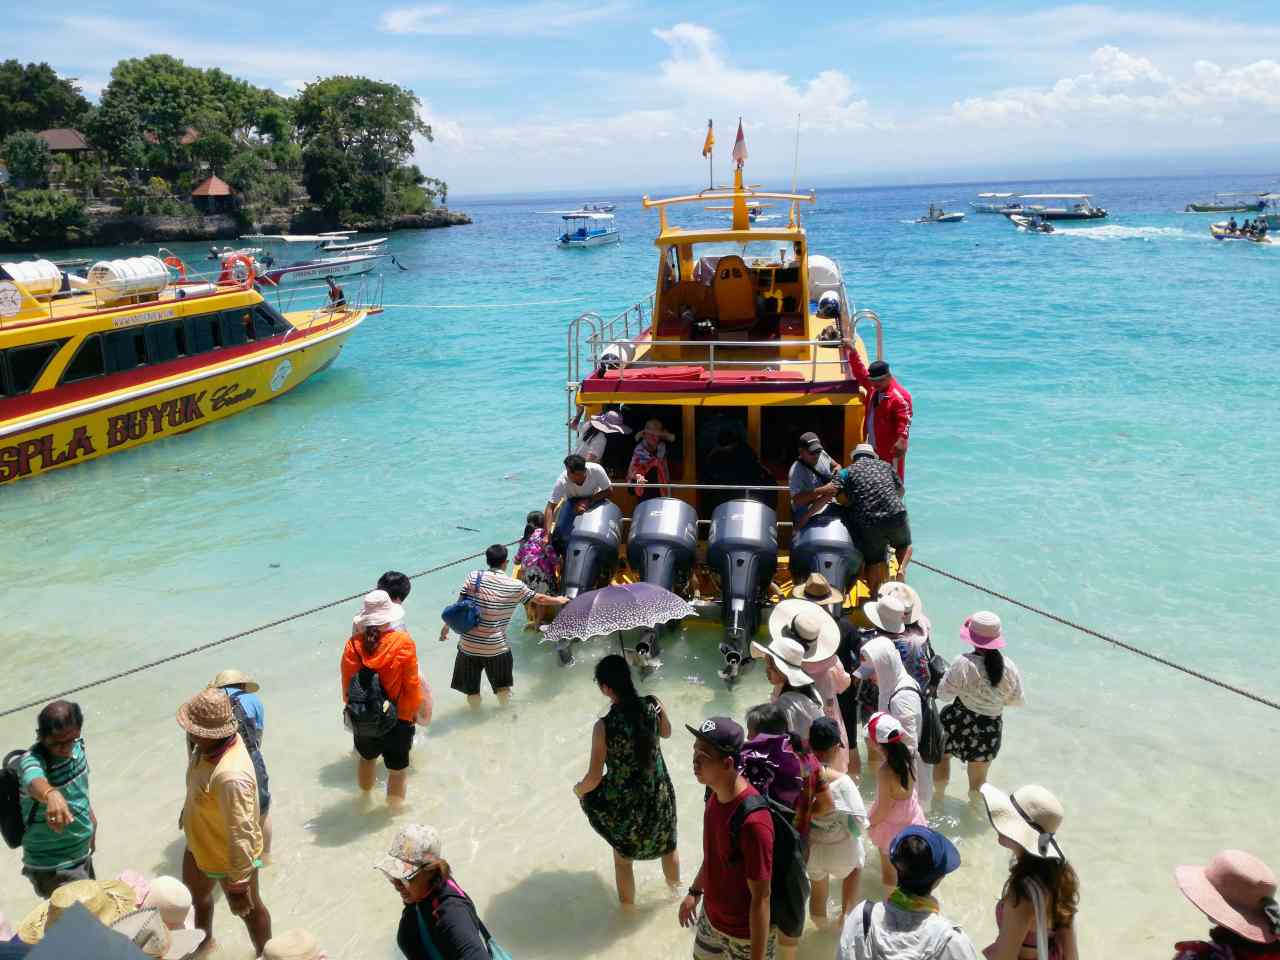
(810, 442)
(878, 369)
(825, 734)
(721, 733)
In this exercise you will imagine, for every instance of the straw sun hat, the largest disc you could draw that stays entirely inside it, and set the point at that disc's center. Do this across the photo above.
(108, 900)
(816, 588)
(1235, 890)
(808, 624)
(235, 678)
(293, 945)
(912, 609)
(787, 656)
(889, 614)
(208, 715)
(1030, 817)
(983, 631)
(146, 930)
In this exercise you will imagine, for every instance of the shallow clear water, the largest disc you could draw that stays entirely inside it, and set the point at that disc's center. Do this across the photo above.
(1094, 435)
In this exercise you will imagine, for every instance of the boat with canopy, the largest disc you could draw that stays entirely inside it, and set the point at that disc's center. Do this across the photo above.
(587, 229)
(1071, 206)
(996, 203)
(1234, 202)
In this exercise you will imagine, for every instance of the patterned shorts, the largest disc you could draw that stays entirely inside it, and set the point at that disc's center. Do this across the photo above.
(971, 736)
(710, 944)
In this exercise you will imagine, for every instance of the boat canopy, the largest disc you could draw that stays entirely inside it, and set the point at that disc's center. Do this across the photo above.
(289, 237)
(996, 196)
(1269, 197)
(580, 215)
(1055, 196)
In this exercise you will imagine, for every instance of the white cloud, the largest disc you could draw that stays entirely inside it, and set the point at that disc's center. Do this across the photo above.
(1120, 88)
(546, 18)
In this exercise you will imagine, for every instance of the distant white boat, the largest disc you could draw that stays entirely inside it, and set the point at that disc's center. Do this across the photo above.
(996, 203)
(1075, 206)
(937, 214)
(1032, 224)
(354, 245)
(588, 229)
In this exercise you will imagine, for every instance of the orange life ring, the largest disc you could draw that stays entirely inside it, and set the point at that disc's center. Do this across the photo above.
(177, 264)
(228, 273)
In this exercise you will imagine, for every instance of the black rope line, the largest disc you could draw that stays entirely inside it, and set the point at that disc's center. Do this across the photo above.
(1247, 694)
(227, 639)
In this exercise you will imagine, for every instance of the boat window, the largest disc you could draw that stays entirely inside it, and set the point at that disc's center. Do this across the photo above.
(780, 429)
(125, 349)
(236, 327)
(274, 317)
(87, 363)
(166, 341)
(204, 333)
(25, 364)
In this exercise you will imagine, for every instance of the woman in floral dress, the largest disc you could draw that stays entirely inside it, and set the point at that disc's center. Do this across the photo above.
(538, 563)
(627, 794)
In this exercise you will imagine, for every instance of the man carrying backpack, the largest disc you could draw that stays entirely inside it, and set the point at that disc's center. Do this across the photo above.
(729, 898)
(58, 828)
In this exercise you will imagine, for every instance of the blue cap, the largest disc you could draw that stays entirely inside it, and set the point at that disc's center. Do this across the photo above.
(945, 855)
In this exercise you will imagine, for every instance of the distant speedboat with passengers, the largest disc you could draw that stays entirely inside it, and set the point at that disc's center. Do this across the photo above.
(1073, 206)
(1031, 224)
(588, 229)
(996, 203)
(1229, 203)
(937, 214)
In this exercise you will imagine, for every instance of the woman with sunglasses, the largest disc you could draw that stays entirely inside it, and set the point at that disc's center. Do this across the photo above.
(439, 921)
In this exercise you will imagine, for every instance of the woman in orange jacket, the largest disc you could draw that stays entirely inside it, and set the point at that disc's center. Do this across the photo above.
(382, 691)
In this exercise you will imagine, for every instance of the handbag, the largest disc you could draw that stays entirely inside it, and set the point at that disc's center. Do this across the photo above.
(937, 665)
(464, 613)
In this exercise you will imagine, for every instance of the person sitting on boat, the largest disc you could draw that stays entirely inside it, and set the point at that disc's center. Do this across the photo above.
(581, 485)
(1231, 225)
(888, 424)
(812, 481)
(649, 461)
(337, 299)
(594, 435)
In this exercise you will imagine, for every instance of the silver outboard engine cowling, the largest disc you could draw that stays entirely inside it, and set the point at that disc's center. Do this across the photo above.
(743, 551)
(824, 546)
(592, 550)
(663, 541)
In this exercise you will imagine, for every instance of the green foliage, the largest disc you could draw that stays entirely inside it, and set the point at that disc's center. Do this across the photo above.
(27, 158)
(374, 120)
(33, 97)
(215, 149)
(115, 129)
(158, 189)
(244, 171)
(327, 174)
(278, 188)
(45, 218)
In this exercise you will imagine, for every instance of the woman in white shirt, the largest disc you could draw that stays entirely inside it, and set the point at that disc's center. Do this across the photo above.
(980, 684)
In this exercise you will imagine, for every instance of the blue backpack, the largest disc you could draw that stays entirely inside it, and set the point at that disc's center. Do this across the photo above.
(464, 613)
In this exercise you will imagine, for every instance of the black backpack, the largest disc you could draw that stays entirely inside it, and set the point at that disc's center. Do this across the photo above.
(12, 824)
(932, 743)
(368, 709)
(789, 885)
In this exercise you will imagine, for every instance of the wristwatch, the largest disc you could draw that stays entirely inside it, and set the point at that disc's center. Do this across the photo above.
(694, 892)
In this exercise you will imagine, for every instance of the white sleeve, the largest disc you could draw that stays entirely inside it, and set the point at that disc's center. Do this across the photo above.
(959, 947)
(599, 479)
(559, 490)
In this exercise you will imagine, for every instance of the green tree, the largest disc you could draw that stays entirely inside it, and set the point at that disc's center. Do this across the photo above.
(27, 158)
(244, 171)
(44, 218)
(34, 97)
(375, 121)
(215, 149)
(113, 127)
(327, 173)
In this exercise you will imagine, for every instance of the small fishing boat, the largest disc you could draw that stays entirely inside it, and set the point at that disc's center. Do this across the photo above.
(129, 353)
(351, 246)
(587, 229)
(1073, 206)
(1229, 203)
(602, 206)
(996, 203)
(1032, 224)
(937, 214)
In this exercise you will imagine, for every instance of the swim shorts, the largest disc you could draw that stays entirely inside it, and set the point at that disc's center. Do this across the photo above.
(710, 944)
(393, 746)
(467, 669)
(875, 539)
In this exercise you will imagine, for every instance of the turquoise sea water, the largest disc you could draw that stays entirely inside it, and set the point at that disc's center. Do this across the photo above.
(1094, 434)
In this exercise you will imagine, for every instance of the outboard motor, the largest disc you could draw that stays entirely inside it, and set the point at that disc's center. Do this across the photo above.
(743, 551)
(592, 549)
(824, 546)
(663, 539)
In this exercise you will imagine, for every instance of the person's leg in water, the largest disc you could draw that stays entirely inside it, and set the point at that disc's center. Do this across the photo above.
(977, 770)
(397, 785)
(504, 695)
(671, 869)
(258, 920)
(941, 777)
(849, 893)
(818, 902)
(624, 876)
(366, 773)
(787, 946)
(201, 887)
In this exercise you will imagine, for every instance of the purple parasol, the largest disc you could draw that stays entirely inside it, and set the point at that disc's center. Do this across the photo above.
(598, 613)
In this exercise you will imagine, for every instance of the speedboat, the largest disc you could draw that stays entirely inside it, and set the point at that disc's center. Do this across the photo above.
(585, 229)
(602, 206)
(937, 214)
(1229, 203)
(996, 203)
(140, 349)
(1031, 224)
(273, 268)
(346, 246)
(1073, 206)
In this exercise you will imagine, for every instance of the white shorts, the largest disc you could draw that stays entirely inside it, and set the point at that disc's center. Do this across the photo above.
(836, 860)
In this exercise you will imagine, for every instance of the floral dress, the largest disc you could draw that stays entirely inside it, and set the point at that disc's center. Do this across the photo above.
(538, 563)
(634, 809)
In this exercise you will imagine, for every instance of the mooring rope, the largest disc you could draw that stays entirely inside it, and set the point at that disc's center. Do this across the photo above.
(479, 306)
(227, 639)
(1089, 631)
(1247, 694)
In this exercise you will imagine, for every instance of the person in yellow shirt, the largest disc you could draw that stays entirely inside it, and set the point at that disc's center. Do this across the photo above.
(220, 818)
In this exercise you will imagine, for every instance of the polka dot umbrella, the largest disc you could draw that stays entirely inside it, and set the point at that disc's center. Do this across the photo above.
(598, 613)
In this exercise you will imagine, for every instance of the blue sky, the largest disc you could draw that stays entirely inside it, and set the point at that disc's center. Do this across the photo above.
(567, 94)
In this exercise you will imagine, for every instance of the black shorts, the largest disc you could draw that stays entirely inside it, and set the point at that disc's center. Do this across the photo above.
(393, 746)
(467, 669)
(875, 539)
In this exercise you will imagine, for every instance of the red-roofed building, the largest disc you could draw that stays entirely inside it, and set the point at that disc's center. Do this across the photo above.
(187, 139)
(213, 195)
(65, 140)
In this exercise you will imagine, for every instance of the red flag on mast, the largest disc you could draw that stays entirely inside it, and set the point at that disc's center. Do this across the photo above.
(710, 142)
(740, 147)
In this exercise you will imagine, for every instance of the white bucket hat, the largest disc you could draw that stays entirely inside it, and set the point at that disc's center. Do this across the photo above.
(807, 623)
(147, 931)
(1030, 817)
(889, 614)
(171, 897)
(910, 599)
(293, 945)
(377, 610)
(788, 656)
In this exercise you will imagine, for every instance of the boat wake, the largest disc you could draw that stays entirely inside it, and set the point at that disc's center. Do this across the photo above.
(1114, 232)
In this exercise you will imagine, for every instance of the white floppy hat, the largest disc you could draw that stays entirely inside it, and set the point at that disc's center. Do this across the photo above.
(377, 610)
(146, 930)
(910, 599)
(1030, 817)
(806, 622)
(788, 656)
(887, 613)
(171, 897)
(293, 945)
